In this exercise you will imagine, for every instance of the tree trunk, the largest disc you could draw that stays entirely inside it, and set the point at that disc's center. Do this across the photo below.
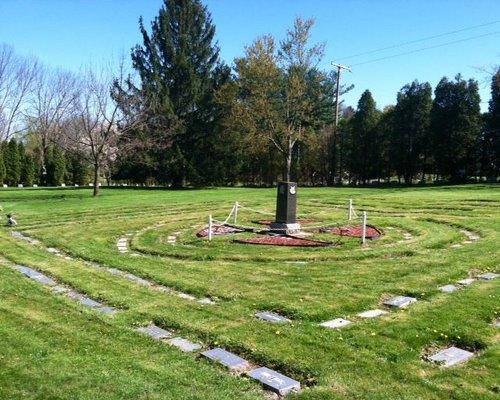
(288, 160)
(96, 179)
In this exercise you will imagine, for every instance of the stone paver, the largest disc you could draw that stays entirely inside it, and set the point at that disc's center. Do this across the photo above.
(336, 323)
(229, 360)
(400, 301)
(206, 300)
(272, 317)
(451, 356)
(488, 276)
(372, 313)
(275, 381)
(155, 332)
(184, 344)
(466, 282)
(448, 288)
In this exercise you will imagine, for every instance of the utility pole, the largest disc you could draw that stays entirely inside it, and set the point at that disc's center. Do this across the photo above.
(333, 143)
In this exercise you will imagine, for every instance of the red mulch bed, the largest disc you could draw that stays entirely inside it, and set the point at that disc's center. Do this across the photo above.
(372, 232)
(219, 230)
(269, 222)
(283, 241)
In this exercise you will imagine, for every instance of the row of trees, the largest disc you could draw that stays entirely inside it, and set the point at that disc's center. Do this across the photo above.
(181, 116)
(19, 165)
(445, 137)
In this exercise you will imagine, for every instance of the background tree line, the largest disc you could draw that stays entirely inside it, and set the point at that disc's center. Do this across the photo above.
(180, 116)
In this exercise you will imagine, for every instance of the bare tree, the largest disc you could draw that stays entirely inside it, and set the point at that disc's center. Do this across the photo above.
(98, 120)
(51, 106)
(17, 76)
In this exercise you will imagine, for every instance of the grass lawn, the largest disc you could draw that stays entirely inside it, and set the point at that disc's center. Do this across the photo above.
(55, 348)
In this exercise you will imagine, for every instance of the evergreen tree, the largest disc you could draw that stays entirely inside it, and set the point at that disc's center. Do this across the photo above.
(364, 139)
(385, 132)
(2, 167)
(77, 167)
(56, 166)
(411, 138)
(28, 172)
(12, 161)
(456, 125)
(491, 135)
(178, 65)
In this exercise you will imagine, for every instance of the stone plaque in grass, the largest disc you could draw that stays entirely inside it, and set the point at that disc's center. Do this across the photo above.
(107, 310)
(184, 344)
(155, 332)
(275, 381)
(448, 288)
(229, 360)
(59, 289)
(466, 282)
(43, 279)
(488, 276)
(400, 301)
(336, 323)
(88, 302)
(272, 317)
(29, 272)
(372, 313)
(206, 300)
(451, 356)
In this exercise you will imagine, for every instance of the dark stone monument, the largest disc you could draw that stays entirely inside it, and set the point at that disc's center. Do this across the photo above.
(286, 209)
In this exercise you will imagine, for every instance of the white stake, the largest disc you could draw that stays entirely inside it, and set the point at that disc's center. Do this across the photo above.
(350, 209)
(363, 233)
(236, 205)
(210, 227)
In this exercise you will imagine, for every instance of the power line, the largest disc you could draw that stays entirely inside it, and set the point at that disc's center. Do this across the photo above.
(427, 48)
(419, 40)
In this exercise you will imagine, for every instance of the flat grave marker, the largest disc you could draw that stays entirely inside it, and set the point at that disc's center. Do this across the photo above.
(336, 323)
(43, 279)
(59, 289)
(400, 301)
(155, 332)
(184, 344)
(272, 317)
(274, 381)
(466, 282)
(448, 288)
(451, 356)
(372, 313)
(206, 300)
(107, 310)
(229, 360)
(488, 276)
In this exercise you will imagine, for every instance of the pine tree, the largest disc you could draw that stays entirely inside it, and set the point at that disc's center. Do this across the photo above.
(2, 167)
(364, 140)
(12, 161)
(77, 168)
(178, 65)
(28, 171)
(56, 167)
(491, 140)
(456, 125)
(410, 147)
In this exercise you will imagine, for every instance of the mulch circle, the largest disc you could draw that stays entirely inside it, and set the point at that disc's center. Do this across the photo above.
(372, 232)
(219, 230)
(283, 241)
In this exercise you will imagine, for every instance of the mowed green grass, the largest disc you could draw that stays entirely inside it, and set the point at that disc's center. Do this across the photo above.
(54, 348)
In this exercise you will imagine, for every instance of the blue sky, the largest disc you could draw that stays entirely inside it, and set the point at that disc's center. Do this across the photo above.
(71, 33)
